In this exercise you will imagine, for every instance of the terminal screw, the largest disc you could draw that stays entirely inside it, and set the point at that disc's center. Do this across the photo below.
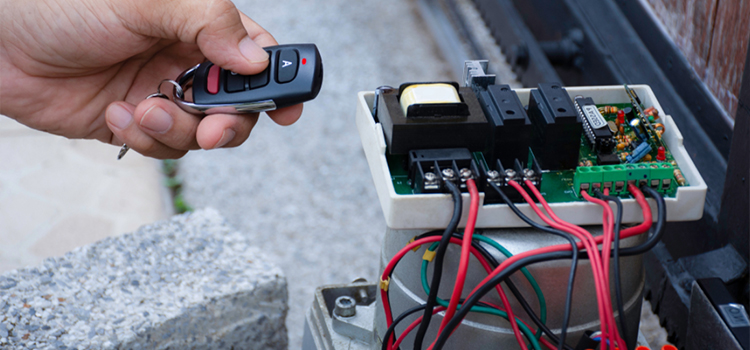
(345, 306)
(528, 174)
(465, 173)
(430, 178)
(509, 174)
(449, 174)
(493, 175)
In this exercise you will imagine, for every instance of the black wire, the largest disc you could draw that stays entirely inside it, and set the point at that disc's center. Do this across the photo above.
(519, 296)
(500, 277)
(392, 329)
(571, 277)
(438, 269)
(398, 320)
(616, 257)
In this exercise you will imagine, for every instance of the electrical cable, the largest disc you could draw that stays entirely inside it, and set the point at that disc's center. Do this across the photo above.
(571, 277)
(616, 257)
(644, 226)
(488, 310)
(608, 236)
(510, 265)
(392, 327)
(534, 285)
(463, 264)
(438, 270)
(602, 286)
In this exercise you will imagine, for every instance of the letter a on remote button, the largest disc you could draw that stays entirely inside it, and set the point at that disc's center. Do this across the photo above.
(287, 65)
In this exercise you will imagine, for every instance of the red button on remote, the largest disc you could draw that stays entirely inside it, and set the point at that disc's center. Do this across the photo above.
(212, 81)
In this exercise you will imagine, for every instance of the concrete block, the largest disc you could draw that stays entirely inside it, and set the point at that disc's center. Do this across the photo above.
(189, 282)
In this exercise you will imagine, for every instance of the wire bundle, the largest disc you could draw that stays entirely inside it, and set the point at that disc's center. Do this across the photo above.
(456, 309)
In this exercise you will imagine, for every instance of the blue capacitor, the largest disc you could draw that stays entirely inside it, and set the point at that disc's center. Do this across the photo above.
(641, 151)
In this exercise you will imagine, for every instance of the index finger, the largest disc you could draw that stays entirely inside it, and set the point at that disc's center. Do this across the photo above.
(284, 116)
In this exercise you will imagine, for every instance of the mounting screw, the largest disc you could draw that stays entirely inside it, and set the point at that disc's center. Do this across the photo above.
(449, 174)
(465, 173)
(345, 306)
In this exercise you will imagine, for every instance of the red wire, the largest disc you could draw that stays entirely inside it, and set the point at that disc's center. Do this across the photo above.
(417, 243)
(416, 322)
(463, 267)
(585, 237)
(632, 231)
(414, 325)
(608, 237)
(636, 230)
(463, 264)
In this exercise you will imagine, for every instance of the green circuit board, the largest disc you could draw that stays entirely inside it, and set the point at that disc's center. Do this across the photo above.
(560, 186)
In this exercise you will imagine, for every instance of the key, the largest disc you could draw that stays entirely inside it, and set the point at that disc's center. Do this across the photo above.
(294, 75)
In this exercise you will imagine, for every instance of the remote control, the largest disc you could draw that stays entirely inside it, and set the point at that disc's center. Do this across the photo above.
(294, 75)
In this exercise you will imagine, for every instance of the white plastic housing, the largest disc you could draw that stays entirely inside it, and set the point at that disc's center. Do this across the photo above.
(433, 211)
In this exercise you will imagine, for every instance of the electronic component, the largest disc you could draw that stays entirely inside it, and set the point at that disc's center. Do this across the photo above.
(429, 169)
(639, 152)
(638, 110)
(595, 126)
(430, 100)
(432, 125)
(557, 127)
(510, 127)
(616, 177)
(500, 175)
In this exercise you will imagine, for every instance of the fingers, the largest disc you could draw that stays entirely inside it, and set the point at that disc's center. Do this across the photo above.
(286, 116)
(225, 130)
(218, 30)
(119, 116)
(158, 128)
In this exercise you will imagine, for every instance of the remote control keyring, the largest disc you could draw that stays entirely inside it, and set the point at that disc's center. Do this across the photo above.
(185, 80)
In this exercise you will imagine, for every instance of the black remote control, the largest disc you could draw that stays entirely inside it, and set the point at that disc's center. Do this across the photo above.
(294, 75)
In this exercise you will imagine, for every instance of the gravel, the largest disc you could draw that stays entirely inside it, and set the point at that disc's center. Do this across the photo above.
(190, 281)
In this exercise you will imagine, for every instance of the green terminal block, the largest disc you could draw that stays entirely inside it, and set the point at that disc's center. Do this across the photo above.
(662, 176)
(638, 174)
(587, 179)
(614, 177)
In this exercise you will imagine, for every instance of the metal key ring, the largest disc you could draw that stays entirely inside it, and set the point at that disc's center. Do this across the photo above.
(185, 80)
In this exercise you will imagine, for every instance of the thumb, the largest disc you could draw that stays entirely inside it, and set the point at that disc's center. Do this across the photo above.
(214, 25)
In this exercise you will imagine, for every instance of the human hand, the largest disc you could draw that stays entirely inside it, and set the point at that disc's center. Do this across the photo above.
(82, 68)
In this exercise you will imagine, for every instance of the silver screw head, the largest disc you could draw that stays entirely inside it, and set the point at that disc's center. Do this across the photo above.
(449, 174)
(528, 173)
(345, 306)
(510, 173)
(430, 177)
(493, 174)
(465, 173)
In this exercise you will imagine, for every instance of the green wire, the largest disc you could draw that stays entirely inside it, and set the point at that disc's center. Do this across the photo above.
(533, 338)
(529, 277)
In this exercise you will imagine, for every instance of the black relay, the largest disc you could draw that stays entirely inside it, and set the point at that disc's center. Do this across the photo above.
(557, 127)
(510, 127)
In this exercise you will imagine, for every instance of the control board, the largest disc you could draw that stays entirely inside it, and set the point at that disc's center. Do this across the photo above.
(564, 140)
